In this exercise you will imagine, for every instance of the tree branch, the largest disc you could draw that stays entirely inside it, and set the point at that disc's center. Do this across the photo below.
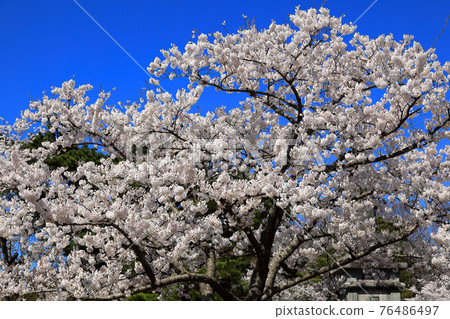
(339, 264)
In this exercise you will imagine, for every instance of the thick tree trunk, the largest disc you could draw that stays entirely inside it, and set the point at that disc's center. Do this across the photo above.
(259, 276)
(207, 290)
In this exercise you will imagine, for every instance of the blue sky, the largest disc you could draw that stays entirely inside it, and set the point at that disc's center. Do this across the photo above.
(47, 42)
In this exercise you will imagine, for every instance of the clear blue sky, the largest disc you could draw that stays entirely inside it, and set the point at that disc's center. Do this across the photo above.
(47, 42)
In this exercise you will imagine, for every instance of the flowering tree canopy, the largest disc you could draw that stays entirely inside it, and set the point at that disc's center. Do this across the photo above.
(334, 154)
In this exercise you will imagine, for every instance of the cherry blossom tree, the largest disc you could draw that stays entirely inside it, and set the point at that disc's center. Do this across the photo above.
(438, 289)
(335, 153)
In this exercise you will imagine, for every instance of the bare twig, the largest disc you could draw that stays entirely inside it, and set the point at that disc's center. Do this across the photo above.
(442, 31)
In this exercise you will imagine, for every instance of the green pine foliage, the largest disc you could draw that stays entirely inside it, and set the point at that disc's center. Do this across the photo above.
(142, 296)
(68, 157)
(230, 271)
